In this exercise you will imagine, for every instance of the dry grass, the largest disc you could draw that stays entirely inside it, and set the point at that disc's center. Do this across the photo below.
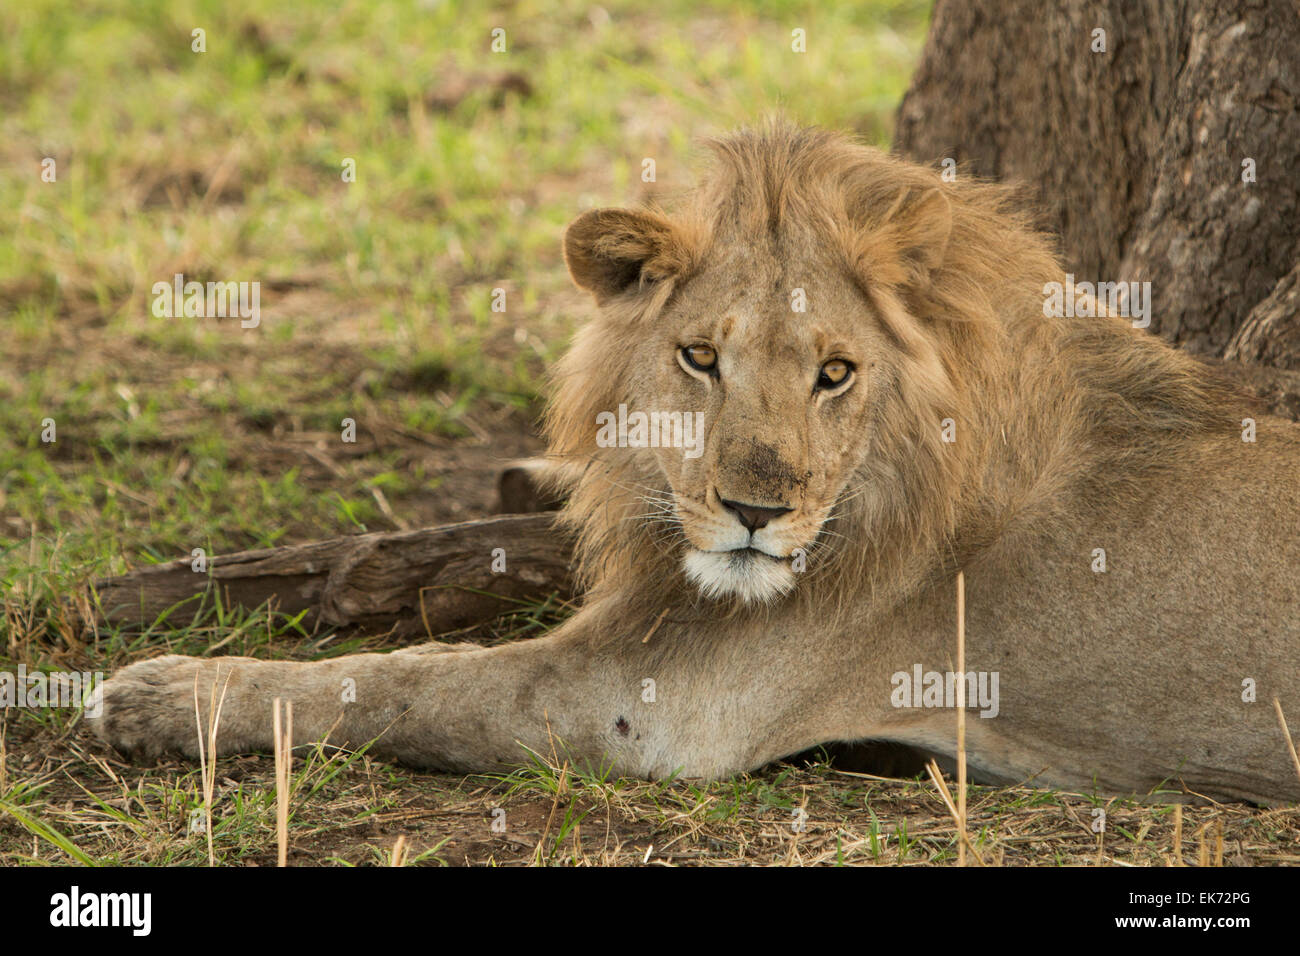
(362, 812)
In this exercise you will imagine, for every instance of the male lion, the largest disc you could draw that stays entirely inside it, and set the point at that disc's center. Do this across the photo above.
(884, 403)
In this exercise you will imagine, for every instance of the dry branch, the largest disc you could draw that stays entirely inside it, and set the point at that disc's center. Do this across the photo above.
(440, 577)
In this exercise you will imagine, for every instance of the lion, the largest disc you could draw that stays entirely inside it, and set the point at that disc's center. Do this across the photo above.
(883, 401)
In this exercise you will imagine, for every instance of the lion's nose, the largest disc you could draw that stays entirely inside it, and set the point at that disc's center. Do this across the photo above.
(753, 517)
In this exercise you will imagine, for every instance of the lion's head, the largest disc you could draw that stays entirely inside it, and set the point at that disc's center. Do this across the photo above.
(822, 309)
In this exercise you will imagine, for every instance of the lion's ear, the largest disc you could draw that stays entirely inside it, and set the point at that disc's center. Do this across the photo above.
(609, 250)
(909, 241)
(926, 227)
(921, 226)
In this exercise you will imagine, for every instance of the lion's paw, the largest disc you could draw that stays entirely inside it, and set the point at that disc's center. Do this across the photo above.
(147, 709)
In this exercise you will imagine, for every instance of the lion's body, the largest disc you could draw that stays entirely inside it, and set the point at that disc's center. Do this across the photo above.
(1130, 561)
(1135, 677)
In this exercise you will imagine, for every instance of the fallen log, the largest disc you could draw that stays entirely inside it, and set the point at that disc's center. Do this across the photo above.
(428, 581)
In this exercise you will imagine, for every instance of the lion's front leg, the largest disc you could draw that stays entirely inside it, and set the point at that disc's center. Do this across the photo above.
(455, 707)
(165, 704)
(702, 702)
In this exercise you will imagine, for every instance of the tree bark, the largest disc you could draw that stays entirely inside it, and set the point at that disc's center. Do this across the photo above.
(1271, 333)
(428, 582)
(1136, 153)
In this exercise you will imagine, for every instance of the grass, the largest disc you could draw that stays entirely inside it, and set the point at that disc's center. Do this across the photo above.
(377, 294)
(377, 306)
(351, 810)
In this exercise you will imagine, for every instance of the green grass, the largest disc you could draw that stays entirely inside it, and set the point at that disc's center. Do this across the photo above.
(376, 294)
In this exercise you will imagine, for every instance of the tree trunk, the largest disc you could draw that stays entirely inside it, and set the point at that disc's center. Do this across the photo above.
(1138, 154)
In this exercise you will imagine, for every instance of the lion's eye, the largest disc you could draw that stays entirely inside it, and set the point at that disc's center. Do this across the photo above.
(834, 374)
(701, 357)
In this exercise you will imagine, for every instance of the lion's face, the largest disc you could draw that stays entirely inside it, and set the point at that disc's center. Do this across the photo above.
(776, 314)
(785, 399)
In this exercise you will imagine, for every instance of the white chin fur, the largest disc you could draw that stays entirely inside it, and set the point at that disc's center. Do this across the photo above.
(749, 576)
